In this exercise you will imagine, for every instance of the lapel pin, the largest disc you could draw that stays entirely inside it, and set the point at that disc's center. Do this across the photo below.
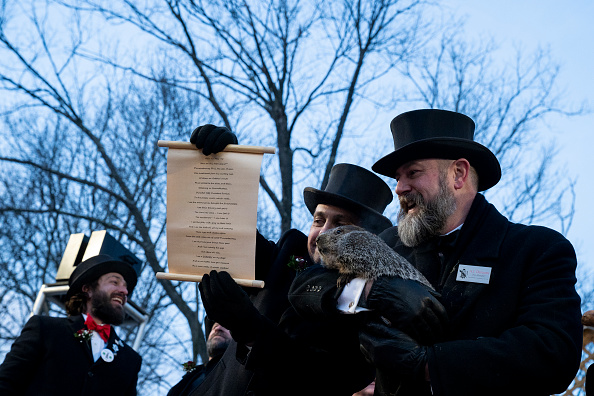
(107, 355)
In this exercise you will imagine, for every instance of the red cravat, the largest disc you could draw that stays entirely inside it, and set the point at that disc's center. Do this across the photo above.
(103, 330)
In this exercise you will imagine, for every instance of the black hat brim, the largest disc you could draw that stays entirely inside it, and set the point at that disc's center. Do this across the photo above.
(100, 268)
(480, 157)
(313, 197)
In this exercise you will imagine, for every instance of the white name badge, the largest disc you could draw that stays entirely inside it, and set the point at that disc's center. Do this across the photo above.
(107, 355)
(473, 274)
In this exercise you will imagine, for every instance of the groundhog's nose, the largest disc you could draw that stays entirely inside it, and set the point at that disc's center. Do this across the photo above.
(320, 239)
(320, 243)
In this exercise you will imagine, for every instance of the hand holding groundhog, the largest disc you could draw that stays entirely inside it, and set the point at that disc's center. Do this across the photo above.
(401, 297)
(400, 294)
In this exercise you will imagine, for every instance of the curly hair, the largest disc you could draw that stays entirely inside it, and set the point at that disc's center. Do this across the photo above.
(77, 304)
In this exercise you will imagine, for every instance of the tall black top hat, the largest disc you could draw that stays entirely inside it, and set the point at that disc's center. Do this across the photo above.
(92, 268)
(355, 189)
(432, 133)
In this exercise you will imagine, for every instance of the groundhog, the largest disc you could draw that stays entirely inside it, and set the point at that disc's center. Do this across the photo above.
(357, 253)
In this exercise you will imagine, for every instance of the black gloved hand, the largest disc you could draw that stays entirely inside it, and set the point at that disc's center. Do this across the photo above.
(314, 294)
(226, 303)
(409, 306)
(212, 139)
(393, 352)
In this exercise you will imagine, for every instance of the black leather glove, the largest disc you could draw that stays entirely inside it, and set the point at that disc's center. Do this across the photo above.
(313, 293)
(212, 139)
(409, 306)
(226, 303)
(393, 352)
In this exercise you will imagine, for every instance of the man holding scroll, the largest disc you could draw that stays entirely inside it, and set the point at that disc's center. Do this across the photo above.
(265, 356)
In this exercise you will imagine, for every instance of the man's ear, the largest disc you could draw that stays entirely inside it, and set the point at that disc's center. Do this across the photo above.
(461, 173)
(87, 289)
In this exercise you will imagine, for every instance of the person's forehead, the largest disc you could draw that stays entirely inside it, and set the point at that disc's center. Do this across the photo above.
(112, 275)
(425, 163)
(333, 211)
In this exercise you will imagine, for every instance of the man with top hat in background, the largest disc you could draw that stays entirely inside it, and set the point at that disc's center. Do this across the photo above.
(261, 357)
(509, 289)
(80, 354)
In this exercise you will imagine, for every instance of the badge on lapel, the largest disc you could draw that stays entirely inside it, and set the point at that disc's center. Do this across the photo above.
(107, 355)
(473, 274)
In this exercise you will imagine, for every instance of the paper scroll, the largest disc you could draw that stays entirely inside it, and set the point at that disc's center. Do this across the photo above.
(212, 211)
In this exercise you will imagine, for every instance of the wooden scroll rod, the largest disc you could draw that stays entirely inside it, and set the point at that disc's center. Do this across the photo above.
(197, 278)
(236, 148)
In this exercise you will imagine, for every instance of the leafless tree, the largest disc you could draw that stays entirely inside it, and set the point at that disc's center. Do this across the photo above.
(274, 67)
(80, 154)
(509, 99)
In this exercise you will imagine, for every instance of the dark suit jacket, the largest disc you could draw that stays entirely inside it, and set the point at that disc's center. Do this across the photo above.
(519, 334)
(46, 360)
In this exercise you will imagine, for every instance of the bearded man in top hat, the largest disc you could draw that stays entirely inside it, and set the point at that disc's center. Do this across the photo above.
(509, 289)
(265, 357)
(80, 354)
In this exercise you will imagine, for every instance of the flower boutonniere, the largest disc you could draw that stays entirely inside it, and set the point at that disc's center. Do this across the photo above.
(189, 366)
(83, 335)
(297, 263)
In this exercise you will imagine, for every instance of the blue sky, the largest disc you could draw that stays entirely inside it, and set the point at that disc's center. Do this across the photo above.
(568, 28)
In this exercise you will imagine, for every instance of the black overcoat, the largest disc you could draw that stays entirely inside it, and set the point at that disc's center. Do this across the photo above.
(47, 360)
(185, 385)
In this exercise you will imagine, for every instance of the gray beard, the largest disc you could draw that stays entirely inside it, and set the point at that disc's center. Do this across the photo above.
(430, 218)
(216, 348)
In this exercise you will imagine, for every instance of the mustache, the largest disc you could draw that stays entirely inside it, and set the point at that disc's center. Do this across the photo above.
(429, 217)
(410, 200)
(120, 295)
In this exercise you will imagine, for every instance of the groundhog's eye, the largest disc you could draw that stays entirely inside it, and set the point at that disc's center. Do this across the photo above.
(339, 231)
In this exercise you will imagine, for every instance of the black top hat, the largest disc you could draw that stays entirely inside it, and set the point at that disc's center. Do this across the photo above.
(432, 133)
(92, 268)
(355, 189)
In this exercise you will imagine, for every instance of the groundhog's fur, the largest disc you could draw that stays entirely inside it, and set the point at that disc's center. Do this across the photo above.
(357, 253)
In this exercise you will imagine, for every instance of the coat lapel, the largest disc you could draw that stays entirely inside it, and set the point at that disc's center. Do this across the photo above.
(114, 345)
(77, 323)
(479, 245)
